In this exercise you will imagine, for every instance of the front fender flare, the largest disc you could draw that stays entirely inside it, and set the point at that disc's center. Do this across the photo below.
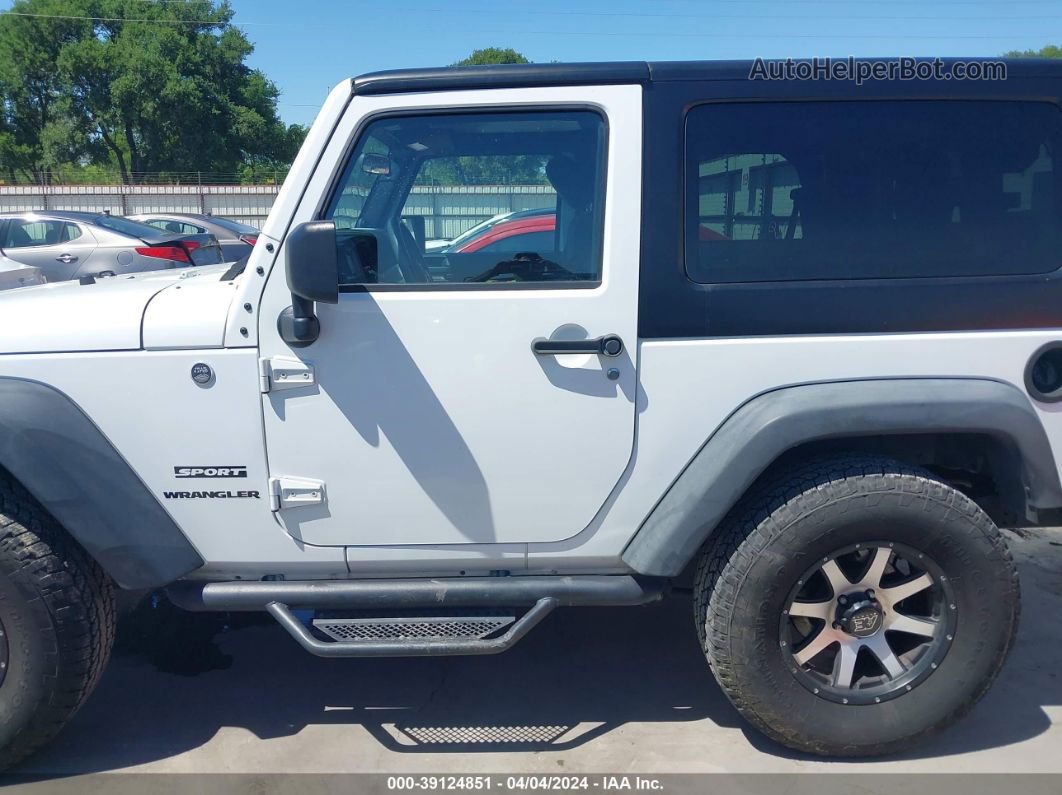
(768, 425)
(59, 455)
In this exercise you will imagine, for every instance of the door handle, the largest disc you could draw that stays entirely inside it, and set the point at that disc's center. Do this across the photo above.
(608, 345)
(66, 259)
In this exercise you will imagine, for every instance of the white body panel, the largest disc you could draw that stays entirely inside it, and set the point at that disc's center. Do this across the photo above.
(68, 316)
(191, 313)
(148, 407)
(432, 422)
(690, 387)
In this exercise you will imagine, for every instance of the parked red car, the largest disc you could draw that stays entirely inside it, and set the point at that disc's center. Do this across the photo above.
(524, 230)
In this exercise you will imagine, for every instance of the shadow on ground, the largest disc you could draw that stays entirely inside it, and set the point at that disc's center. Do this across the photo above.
(580, 675)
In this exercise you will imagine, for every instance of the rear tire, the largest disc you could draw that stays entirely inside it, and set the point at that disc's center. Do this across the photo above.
(752, 591)
(57, 617)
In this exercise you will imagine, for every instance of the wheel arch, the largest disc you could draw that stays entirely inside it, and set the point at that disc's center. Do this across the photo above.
(965, 418)
(50, 446)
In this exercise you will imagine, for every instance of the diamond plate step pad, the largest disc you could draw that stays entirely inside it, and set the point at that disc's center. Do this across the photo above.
(352, 630)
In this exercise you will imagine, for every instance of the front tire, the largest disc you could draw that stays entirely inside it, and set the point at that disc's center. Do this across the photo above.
(57, 617)
(853, 606)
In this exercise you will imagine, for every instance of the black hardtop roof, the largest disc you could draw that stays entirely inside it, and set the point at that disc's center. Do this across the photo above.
(453, 78)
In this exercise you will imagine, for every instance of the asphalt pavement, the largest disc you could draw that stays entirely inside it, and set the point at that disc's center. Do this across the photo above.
(622, 690)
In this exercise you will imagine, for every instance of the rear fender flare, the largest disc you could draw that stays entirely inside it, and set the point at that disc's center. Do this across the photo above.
(768, 425)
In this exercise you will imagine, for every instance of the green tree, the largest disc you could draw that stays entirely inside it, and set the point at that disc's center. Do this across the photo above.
(491, 55)
(30, 86)
(272, 164)
(1047, 51)
(140, 86)
(485, 170)
(495, 169)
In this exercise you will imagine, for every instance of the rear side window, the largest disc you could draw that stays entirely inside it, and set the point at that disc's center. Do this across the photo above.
(124, 226)
(865, 190)
(177, 227)
(38, 232)
(234, 226)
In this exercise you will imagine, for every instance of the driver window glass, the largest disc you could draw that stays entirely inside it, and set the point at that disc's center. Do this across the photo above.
(477, 199)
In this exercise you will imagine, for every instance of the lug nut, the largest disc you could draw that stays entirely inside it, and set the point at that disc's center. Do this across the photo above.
(842, 600)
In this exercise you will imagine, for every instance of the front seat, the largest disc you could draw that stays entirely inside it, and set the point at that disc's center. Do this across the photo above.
(411, 263)
(574, 183)
(18, 237)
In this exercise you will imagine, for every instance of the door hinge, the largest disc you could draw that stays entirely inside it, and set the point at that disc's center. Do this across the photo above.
(295, 493)
(284, 372)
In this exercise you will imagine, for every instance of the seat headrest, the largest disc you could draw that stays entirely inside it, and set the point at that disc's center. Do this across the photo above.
(574, 182)
(19, 236)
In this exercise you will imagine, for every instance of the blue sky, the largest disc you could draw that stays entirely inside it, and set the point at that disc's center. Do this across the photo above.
(307, 46)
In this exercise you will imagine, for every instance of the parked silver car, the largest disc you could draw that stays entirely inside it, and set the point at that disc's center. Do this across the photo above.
(15, 274)
(236, 239)
(69, 244)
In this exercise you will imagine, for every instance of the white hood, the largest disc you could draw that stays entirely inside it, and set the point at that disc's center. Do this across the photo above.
(69, 316)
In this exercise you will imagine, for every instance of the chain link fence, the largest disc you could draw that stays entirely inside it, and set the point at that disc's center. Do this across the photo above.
(448, 210)
(73, 176)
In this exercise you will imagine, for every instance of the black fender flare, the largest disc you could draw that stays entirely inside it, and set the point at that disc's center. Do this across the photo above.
(768, 425)
(62, 458)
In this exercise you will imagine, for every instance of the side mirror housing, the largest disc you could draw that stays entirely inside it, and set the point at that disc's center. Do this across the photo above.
(312, 262)
(312, 269)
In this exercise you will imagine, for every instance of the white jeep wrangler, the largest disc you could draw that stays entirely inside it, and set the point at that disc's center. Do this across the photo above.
(807, 354)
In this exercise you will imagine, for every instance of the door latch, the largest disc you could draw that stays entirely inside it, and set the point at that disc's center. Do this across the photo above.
(285, 372)
(295, 493)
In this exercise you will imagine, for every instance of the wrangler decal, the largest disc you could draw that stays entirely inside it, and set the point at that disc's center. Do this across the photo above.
(211, 495)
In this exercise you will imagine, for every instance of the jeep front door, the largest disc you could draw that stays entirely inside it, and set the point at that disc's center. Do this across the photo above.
(445, 405)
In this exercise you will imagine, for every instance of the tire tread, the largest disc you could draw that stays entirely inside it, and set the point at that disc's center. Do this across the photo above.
(78, 596)
(757, 520)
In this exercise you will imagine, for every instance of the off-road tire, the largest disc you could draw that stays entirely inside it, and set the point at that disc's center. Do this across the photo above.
(749, 567)
(58, 616)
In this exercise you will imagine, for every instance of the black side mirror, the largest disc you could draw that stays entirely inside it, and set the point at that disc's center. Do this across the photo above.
(312, 267)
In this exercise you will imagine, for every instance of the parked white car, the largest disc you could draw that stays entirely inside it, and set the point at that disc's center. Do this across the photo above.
(15, 274)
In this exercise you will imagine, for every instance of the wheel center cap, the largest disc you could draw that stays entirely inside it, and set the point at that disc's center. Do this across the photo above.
(861, 618)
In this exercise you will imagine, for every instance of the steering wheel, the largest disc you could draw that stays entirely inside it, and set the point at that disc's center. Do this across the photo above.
(398, 258)
(525, 267)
